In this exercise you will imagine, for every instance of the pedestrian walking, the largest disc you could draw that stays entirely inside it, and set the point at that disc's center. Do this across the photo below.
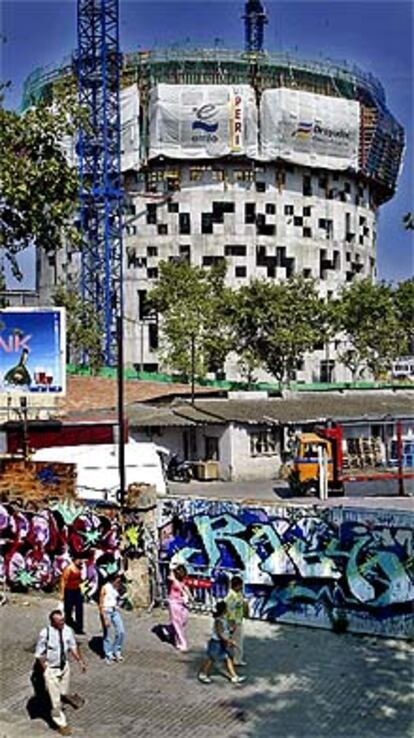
(179, 596)
(237, 608)
(220, 648)
(113, 626)
(71, 594)
(54, 644)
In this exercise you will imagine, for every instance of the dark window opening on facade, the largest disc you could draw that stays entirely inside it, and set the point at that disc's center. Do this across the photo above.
(206, 223)
(263, 228)
(153, 336)
(185, 223)
(151, 214)
(270, 208)
(162, 229)
(235, 250)
(220, 208)
(326, 370)
(307, 186)
(210, 260)
(185, 250)
(240, 271)
(143, 309)
(260, 186)
(250, 212)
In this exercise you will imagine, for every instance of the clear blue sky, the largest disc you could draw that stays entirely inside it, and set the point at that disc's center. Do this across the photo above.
(377, 35)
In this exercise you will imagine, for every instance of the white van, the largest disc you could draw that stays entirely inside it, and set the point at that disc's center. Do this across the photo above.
(98, 471)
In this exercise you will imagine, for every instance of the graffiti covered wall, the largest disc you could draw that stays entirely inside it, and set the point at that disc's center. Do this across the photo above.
(37, 542)
(340, 568)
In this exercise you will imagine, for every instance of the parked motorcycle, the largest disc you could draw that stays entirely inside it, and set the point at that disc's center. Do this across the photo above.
(179, 470)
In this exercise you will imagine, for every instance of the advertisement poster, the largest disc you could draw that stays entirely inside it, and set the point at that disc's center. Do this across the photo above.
(202, 121)
(32, 351)
(309, 129)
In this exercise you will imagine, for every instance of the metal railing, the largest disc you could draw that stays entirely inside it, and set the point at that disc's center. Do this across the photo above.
(206, 585)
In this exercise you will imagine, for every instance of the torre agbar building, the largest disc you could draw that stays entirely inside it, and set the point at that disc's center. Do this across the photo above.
(274, 164)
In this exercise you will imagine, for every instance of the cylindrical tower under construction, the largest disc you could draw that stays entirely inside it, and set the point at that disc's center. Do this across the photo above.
(274, 164)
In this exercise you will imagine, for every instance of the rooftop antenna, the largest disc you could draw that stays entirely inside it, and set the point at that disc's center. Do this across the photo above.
(255, 19)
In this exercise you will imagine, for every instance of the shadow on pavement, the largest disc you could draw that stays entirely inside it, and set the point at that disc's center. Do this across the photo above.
(38, 705)
(96, 645)
(347, 687)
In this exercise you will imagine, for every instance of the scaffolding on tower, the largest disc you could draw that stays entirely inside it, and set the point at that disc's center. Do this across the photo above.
(98, 66)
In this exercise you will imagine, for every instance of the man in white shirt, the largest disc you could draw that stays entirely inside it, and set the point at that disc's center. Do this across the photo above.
(54, 644)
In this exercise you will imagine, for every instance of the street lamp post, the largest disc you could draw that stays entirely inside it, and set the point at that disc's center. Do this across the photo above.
(121, 413)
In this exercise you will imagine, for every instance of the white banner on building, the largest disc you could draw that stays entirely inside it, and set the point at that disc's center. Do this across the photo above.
(309, 129)
(130, 128)
(202, 121)
(130, 159)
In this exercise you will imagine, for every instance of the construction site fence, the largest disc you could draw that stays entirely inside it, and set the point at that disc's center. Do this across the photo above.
(225, 384)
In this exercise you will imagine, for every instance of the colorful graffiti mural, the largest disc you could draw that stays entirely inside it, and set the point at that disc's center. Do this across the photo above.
(328, 567)
(37, 543)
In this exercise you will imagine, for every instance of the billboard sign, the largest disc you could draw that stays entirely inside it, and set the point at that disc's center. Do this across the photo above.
(32, 351)
(309, 129)
(202, 121)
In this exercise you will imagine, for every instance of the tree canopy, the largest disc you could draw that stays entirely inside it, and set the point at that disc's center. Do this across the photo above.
(404, 305)
(83, 331)
(369, 320)
(196, 310)
(272, 325)
(277, 323)
(38, 188)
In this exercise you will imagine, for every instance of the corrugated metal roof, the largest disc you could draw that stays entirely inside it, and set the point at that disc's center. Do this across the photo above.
(150, 416)
(303, 408)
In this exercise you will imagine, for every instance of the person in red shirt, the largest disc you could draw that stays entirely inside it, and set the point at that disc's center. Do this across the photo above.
(71, 594)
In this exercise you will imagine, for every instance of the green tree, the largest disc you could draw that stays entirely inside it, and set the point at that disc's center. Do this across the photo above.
(277, 323)
(404, 306)
(369, 321)
(83, 330)
(196, 309)
(38, 188)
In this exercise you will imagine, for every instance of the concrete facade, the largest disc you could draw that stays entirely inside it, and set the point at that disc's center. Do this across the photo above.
(268, 221)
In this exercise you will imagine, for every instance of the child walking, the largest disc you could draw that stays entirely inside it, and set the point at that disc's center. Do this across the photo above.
(237, 608)
(178, 598)
(219, 648)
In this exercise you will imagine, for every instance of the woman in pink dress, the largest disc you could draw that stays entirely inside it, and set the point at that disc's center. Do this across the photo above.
(178, 598)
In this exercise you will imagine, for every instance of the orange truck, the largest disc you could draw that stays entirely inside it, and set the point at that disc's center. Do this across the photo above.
(305, 467)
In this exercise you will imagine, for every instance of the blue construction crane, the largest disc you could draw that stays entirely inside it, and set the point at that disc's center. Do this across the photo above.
(98, 67)
(255, 19)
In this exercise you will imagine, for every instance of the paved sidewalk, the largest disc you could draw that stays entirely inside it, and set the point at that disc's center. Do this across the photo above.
(302, 683)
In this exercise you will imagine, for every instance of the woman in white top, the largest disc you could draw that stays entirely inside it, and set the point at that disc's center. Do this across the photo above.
(113, 626)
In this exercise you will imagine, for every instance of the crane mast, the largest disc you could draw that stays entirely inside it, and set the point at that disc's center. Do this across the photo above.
(98, 67)
(255, 20)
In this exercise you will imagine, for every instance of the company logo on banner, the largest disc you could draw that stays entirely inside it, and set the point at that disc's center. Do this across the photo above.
(204, 122)
(237, 123)
(305, 131)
